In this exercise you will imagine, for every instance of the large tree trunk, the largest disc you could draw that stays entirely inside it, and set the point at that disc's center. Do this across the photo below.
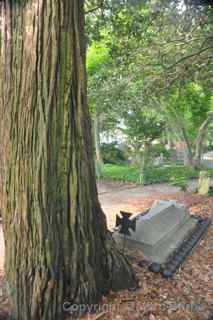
(200, 140)
(176, 126)
(188, 151)
(144, 162)
(57, 244)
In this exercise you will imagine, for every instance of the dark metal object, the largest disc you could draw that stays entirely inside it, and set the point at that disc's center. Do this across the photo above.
(175, 261)
(185, 248)
(172, 266)
(179, 259)
(125, 223)
(155, 267)
(167, 273)
(142, 263)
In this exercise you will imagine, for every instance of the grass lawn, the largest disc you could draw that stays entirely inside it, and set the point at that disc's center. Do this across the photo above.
(129, 173)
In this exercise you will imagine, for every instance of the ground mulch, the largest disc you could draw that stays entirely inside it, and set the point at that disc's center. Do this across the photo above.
(187, 296)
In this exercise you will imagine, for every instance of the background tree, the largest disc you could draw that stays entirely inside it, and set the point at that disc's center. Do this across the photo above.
(142, 127)
(99, 66)
(189, 114)
(57, 243)
(158, 48)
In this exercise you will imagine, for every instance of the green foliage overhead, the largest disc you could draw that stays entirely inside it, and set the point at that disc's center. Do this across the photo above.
(142, 125)
(192, 103)
(97, 58)
(155, 55)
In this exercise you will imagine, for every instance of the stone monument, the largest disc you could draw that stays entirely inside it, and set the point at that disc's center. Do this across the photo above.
(160, 231)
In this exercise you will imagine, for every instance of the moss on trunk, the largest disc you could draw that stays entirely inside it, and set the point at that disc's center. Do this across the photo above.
(57, 243)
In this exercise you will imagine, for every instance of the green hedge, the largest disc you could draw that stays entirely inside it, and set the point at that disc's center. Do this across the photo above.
(153, 175)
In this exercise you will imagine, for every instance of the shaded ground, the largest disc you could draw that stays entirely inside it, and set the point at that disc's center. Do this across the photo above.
(188, 296)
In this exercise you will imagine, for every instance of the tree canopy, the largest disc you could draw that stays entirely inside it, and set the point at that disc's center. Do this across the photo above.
(159, 56)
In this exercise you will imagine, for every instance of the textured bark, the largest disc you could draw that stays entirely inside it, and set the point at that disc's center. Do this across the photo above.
(200, 140)
(144, 162)
(57, 244)
(188, 150)
(177, 128)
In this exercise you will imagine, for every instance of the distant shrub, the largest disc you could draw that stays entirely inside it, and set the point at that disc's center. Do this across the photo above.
(158, 149)
(210, 147)
(180, 181)
(176, 175)
(111, 153)
(211, 191)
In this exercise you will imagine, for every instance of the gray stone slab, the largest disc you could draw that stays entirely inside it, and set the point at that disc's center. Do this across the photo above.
(160, 232)
(161, 220)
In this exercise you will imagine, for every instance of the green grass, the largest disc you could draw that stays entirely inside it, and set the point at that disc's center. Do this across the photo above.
(129, 173)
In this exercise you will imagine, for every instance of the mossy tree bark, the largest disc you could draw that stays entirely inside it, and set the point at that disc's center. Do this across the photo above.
(57, 244)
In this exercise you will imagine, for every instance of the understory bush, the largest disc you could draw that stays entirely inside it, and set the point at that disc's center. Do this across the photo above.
(158, 149)
(111, 153)
(178, 175)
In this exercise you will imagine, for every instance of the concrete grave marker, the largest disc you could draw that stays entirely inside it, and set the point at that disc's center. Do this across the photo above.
(159, 232)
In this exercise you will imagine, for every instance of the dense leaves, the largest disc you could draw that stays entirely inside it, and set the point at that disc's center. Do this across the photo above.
(111, 153)
(160, 55)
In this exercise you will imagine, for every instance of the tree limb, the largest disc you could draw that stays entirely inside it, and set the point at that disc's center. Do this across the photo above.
(201, 135)
(190, 56)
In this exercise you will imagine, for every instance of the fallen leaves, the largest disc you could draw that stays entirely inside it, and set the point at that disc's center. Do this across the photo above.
(188, 296)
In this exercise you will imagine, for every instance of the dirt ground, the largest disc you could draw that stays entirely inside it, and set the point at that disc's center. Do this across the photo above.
(188, 296)
(116, 196)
